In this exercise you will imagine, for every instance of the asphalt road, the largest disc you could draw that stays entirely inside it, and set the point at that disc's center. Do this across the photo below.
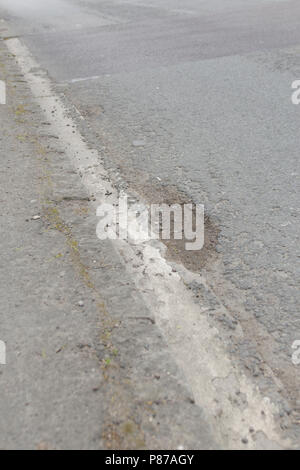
(206, 85)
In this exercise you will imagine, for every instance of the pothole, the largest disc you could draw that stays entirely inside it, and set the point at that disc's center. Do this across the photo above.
(155, 192)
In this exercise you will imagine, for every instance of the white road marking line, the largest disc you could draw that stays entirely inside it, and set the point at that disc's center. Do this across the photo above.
(83, 79)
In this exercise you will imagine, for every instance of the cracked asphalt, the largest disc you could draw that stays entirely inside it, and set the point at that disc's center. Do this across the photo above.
(87, 367)
(206, 87)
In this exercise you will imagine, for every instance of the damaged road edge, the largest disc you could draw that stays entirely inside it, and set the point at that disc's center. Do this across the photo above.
(196, 347)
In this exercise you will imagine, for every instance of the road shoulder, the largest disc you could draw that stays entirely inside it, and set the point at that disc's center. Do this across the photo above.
(87, 366)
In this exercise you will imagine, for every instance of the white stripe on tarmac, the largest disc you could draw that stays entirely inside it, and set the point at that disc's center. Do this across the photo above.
(83, 79)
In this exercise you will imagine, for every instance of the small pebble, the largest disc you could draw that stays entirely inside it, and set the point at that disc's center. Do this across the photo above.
(138, 143)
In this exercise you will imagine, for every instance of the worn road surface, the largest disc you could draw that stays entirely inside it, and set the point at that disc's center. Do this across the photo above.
(204, 87)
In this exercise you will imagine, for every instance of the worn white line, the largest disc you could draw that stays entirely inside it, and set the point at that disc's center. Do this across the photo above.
(82, 79)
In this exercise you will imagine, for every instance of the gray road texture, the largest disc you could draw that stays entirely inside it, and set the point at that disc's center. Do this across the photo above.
(86, 367)
(207, 86)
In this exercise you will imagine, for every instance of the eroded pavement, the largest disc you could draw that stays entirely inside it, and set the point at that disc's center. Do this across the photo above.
(109, 344)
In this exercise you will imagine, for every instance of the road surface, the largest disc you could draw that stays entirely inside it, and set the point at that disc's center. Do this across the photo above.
(205, 88)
